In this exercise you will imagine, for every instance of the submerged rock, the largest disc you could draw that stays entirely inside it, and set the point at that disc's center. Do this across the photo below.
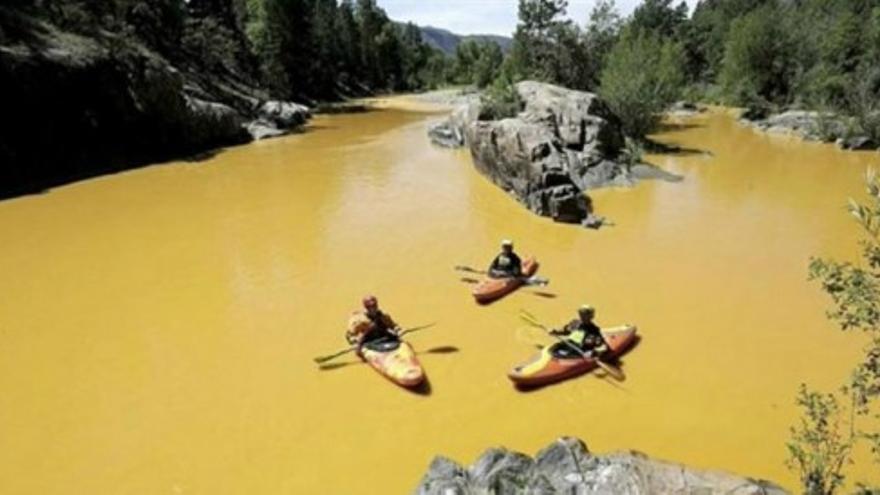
(567, 467)
(562, 143)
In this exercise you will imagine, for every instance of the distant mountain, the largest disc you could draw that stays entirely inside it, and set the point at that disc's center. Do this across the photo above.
(448, 41)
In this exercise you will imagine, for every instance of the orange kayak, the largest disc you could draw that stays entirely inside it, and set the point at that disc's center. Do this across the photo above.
(491, 289)
(546, 367)
(395, 360)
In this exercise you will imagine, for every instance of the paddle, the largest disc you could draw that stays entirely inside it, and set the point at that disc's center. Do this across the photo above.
(524, 280)
(611, 370)
(324, 359)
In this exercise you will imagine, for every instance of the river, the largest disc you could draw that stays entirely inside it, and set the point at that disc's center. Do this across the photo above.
(158, 326)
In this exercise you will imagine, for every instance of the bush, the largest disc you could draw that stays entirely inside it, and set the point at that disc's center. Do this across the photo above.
(500, 101)
(643, 77)
(818, 449)
(758, 63)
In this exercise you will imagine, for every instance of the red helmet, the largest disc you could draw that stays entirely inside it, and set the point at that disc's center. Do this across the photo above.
(370, 302)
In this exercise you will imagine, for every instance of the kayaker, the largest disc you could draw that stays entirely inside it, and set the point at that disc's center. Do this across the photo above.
(370, 324)
(583, 332)
(507, 264)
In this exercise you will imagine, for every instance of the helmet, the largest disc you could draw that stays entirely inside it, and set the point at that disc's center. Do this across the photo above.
(506, 243)
(586, 310)
(370, 301)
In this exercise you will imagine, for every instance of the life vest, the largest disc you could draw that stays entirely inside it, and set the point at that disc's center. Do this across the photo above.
(360, 325)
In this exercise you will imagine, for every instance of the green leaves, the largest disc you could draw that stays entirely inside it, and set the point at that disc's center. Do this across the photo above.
(644, 75)
(817, 449)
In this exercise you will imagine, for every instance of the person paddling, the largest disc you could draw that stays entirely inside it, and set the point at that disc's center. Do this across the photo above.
(507, 264)
(370, 324)
(583, 333)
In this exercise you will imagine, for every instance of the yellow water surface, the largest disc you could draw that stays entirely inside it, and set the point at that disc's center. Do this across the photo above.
(157, 327)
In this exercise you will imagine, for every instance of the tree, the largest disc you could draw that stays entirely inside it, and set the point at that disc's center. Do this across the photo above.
(285, 48)
(855, 292)
(415, 56)
(659, 17)
(758, 63)
(533, 51)
(326, 49)
(488, 64)
(349, 43)
(643, 76)
(370, 21)
(603, 31)
(389, 56)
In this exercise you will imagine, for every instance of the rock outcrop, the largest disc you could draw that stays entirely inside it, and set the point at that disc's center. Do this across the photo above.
(567, 467)
(810, 126)
(562, 143)
(76, 106)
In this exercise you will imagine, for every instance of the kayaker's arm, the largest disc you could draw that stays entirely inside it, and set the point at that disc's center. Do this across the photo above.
(516, 265)
(566, 329)
(493, 270)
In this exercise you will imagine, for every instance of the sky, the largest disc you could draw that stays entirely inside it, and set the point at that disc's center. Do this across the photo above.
(482, 16)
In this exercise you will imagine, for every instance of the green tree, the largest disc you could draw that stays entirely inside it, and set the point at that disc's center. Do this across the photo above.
(326, 49)
(602, 33)
(466, 55)
(854, 289)
(758, 63)
(500, 101)
(389, 56)
(370, 21)
(488, 64)
(643, 76)
(533, 51)
(349, 44)
(659, 17)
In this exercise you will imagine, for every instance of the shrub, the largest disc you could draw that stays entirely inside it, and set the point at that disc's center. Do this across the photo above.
(644, 75)
(500, 101)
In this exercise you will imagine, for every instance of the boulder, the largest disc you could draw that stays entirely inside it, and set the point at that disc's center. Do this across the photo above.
(567, 467)
(284, 114)
(562, 143)
(214, 123)
(684, 109)
(857, 143)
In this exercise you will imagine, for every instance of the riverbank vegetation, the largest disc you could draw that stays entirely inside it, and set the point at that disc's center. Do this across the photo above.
(299, 49)
(768, 55)
(836, 423)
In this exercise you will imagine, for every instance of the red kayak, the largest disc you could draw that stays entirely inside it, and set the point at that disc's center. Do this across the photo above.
(395, 360)
(547, 367)
(491, 289)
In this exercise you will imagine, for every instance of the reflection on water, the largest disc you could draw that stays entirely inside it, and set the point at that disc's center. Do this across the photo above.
(158, 327)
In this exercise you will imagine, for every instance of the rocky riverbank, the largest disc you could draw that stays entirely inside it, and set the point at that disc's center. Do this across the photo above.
(811, 126)
(76, 106)
(566, 466)
(562, 143)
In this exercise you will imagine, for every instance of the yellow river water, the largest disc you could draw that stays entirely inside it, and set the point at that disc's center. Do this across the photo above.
(157, 327)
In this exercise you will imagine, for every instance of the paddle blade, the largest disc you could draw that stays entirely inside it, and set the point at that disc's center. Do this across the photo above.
(611, 370)
(537, 281)
(465, 268)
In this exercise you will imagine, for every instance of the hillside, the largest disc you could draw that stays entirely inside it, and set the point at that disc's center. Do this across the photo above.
(447, 40)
